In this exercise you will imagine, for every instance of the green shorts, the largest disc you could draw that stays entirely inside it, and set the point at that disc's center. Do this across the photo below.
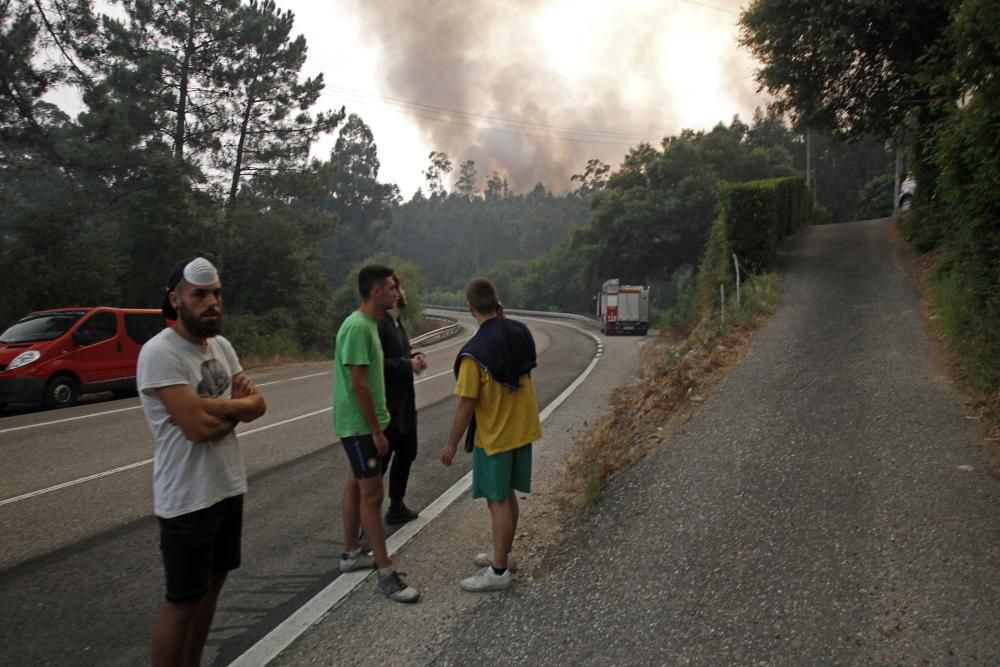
(493, 477)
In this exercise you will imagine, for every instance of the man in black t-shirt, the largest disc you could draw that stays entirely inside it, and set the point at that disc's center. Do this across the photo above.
(401, 364)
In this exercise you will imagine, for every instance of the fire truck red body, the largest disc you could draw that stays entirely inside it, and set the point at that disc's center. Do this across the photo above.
(623, 309)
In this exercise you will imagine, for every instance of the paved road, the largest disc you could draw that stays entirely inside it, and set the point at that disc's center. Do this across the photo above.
(817, 510)
(81, 581)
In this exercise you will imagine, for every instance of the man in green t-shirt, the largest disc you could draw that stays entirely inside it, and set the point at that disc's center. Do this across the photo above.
(360, 415)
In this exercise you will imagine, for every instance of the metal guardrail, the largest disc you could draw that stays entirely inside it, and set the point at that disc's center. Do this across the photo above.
(526, 313)
(437, 334)
(453, 327)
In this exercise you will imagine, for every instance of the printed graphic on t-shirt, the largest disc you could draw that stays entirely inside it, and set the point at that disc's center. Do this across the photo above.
(215, 379)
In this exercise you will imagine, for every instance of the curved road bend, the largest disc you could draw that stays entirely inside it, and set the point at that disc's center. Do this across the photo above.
(80, 574)
(818, 510)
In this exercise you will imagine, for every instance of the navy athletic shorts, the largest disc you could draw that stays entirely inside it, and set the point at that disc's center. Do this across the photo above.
(363, 455)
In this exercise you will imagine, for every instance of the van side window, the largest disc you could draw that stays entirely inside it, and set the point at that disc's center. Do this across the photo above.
(141, 327)
(101, 326)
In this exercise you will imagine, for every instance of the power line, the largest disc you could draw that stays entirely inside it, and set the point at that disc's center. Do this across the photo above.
(488, 128)
(491, 119)
(708, 6)
(494, 124)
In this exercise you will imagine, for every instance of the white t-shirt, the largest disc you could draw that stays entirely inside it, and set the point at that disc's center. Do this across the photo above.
(189, 476)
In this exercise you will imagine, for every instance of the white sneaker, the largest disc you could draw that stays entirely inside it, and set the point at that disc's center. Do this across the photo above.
(487, 580)
(485, 559)
(359, 560)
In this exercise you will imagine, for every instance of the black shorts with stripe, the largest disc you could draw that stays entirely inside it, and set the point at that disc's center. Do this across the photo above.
(363, 455)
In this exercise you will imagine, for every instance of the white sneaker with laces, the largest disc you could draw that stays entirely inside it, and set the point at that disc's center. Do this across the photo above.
(487, 580)
(359, 560)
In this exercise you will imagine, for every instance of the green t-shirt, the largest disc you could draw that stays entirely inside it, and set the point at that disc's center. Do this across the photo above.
(357, 345)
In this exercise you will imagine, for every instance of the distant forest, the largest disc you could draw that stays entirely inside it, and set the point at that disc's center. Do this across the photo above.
(195, 138)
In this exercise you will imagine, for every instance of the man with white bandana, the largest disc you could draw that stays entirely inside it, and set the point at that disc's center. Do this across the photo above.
(194, 392)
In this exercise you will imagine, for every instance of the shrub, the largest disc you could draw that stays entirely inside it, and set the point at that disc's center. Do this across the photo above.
(759, 214)
(755, 217)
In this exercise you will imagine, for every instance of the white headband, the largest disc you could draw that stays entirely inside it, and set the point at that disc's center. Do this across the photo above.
(199, 271)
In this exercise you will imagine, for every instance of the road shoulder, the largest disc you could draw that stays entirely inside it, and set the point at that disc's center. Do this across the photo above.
(365, 626)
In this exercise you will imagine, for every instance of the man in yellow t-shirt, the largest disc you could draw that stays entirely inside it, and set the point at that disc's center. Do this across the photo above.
(497, 405)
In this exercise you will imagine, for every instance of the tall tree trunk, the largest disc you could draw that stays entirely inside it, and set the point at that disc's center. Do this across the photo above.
(179, 136)
(228, 231)
(238, 163)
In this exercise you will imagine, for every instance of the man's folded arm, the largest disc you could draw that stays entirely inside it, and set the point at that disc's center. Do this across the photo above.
(189, 412)
(245, 405)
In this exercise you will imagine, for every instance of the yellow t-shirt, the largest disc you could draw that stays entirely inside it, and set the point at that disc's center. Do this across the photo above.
(505, 419)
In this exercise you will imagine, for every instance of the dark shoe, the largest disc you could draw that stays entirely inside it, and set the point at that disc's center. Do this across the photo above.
(398, 515)
(394, 587)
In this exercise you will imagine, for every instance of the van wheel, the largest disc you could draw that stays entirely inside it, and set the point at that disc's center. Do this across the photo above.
(62, 391)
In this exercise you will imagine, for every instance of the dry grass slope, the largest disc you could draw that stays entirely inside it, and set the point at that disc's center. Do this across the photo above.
(679, 370)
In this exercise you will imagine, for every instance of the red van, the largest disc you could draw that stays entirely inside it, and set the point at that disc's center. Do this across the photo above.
(53, 356)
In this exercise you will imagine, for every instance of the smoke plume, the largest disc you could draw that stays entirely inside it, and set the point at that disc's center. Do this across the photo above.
(494, 60)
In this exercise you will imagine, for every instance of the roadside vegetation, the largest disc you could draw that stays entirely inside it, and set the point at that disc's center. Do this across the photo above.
(709, 331)
(679, 369)
(930, 85)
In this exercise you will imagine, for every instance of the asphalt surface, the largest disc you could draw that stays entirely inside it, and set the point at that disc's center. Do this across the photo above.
(367, 629)
(819, 510)
(80, 573)
(829, 504)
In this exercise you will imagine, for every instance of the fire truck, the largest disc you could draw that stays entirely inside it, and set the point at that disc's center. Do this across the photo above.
(623, 309)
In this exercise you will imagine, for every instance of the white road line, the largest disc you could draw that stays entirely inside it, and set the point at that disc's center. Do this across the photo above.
(136, 407)
(445, 347)
(431, 377)
(301, 377)
(89, 478)
(142, 463)
(25, 496)
(68, 419)
(268, 648)
(39, 492)
(283, 422)
(311, 375)
(303, 618)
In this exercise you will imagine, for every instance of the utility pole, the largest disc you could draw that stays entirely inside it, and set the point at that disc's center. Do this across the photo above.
(808, 160)
(810, 176)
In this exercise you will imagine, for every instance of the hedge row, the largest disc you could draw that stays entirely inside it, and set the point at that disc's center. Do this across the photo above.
(967, 224)
(755, 217)
(758, 214)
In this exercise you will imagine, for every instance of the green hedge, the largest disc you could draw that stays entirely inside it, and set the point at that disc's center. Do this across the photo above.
(716, 266)
(755, 217)
(759, 214)
(968, 217)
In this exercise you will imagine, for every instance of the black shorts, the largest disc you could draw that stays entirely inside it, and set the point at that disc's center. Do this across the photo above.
(199, 545)
(363, 455)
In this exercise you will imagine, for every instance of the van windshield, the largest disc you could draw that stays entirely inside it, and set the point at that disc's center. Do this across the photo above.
(41, 326)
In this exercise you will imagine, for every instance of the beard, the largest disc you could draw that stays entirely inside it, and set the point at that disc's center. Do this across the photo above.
(196, 326)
